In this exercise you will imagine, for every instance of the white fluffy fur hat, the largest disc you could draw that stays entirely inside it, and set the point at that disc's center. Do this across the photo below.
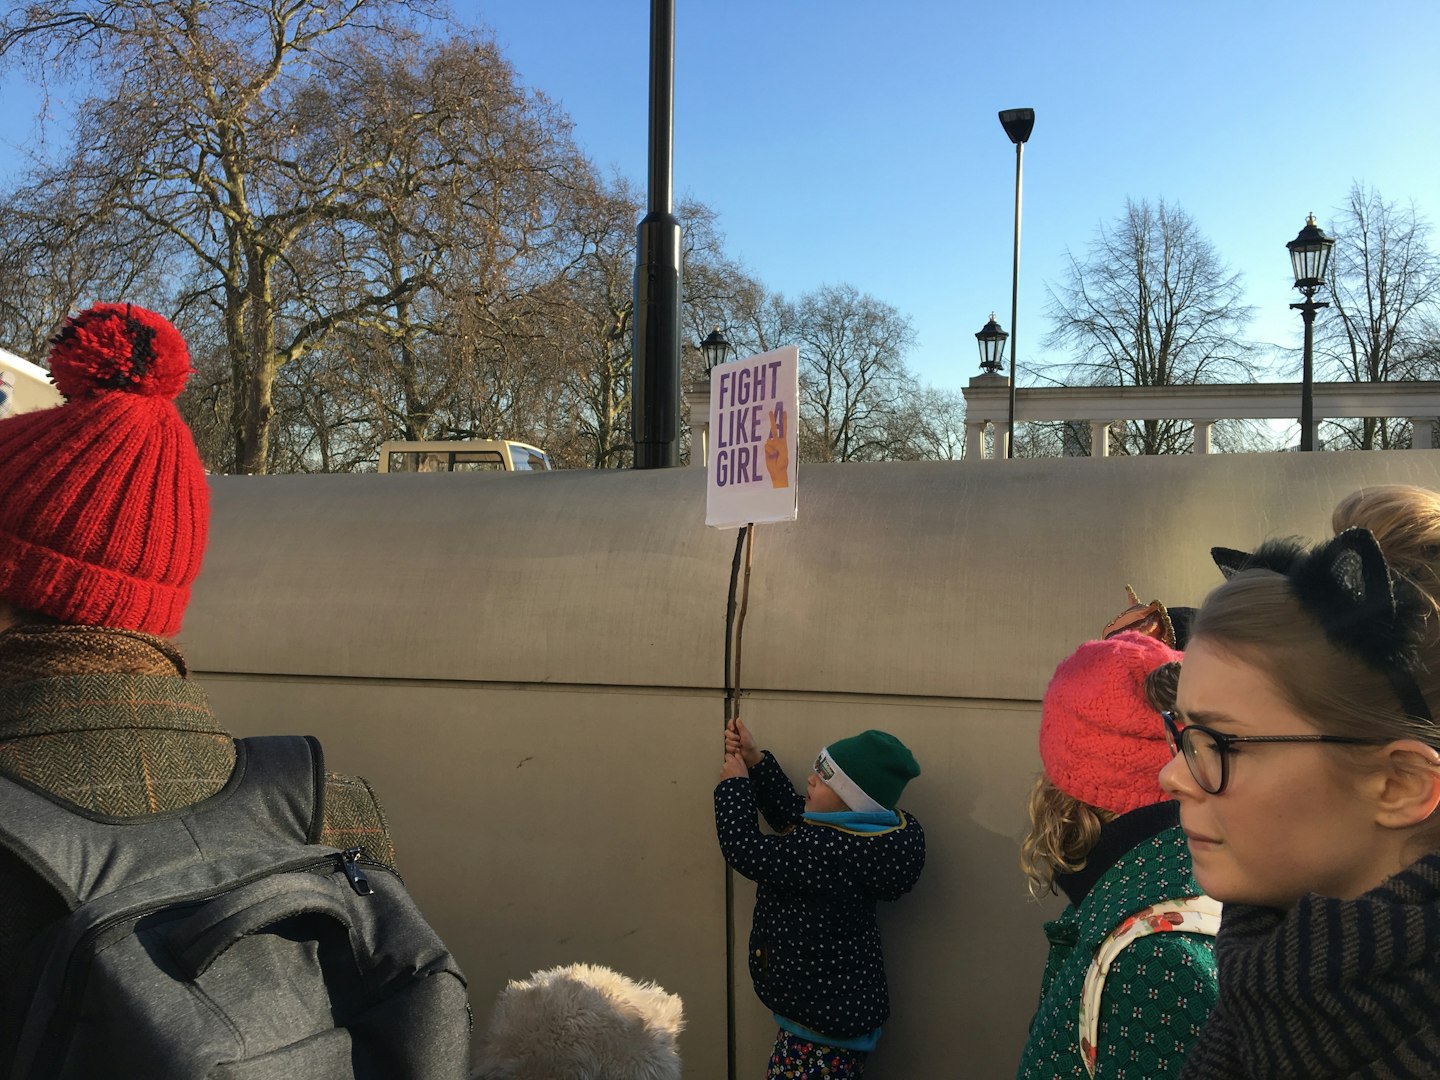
(582, 1022)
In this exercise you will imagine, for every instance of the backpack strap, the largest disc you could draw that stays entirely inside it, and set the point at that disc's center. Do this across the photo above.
(275, 795)
(1187, 914)
(279, 783)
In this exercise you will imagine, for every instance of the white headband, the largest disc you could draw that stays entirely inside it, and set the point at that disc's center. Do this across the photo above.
(838, 782)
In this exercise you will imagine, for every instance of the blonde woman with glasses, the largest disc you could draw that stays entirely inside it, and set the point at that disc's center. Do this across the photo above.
(1308, 777)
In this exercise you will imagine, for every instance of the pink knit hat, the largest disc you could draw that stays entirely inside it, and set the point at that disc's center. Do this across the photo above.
(1100, 740)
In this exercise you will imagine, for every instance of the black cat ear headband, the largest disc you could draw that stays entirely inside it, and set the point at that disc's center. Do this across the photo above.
(1364, 608)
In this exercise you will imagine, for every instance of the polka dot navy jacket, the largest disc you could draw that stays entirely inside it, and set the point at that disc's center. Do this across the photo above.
(815, 953)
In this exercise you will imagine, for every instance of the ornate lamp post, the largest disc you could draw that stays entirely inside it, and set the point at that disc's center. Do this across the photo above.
(991, 339)
(1309, 257)
(1017, 124)
(715, 349)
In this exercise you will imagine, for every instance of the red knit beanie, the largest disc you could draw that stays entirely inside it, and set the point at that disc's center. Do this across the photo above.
(1100, 740)
(103, 502)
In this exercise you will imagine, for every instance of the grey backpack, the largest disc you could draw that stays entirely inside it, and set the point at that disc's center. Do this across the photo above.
(220, 941)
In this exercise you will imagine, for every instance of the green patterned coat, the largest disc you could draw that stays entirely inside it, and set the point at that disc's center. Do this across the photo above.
(1159, 991)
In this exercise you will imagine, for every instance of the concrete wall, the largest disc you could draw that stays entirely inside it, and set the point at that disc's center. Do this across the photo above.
(529, 669)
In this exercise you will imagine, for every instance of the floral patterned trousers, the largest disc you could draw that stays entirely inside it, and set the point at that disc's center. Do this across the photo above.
(795, 1058)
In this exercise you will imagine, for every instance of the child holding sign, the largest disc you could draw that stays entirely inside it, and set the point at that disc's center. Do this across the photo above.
(815, 954)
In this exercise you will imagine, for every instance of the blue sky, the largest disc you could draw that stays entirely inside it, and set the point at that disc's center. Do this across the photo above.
(846, 141)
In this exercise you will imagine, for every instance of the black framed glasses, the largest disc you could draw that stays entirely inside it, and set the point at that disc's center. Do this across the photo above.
(1207, 752)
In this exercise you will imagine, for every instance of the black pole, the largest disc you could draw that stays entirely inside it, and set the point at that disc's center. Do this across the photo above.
(732, 710)
(1018, 123)
(1014, 305)
(1307, 377)
(656, 373)
(1307, 391)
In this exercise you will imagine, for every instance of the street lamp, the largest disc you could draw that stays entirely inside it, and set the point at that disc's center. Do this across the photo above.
(1017, 124)
(655, 371)
(1309, 257)
(715, 349)
(991, 339)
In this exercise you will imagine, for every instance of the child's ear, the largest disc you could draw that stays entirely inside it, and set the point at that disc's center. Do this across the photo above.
(1408, 784)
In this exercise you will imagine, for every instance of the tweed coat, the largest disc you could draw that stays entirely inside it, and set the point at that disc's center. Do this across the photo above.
(107, 720)
(1160, 988)
(815, 954)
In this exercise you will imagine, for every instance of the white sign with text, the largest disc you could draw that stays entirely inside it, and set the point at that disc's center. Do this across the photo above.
(752, 455)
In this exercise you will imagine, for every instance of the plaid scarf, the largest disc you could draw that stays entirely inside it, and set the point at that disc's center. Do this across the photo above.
(1332, 988)
(106, 720)
(44, 650)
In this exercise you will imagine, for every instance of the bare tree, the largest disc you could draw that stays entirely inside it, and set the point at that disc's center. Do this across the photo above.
(1053, 438)
(584, 316)
(52, 251)
(1232, 436)
(1151, 304)
(1385, 292)
(588, 326)
(929, 425)
(202, 124)
(466, 213)
(853, 378)
(1426, 348)
(367, 233)
(858, 399)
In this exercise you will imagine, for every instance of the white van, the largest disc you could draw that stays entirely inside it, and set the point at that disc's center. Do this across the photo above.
(465, 455)
(25, 387)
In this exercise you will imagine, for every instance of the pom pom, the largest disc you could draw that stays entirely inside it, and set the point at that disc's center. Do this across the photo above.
(119, 347)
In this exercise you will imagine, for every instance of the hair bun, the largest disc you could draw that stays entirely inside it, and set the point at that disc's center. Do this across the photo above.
(119, 347)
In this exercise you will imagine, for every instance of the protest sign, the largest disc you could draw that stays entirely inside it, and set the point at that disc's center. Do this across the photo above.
(752, 459)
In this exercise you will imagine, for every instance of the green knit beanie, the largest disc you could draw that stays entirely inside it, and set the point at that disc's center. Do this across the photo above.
(868, 771)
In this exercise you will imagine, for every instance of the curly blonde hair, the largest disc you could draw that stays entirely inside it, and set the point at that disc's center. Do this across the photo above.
(1063, 830)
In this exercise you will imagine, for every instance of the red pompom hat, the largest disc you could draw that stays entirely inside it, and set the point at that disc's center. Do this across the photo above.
(104, 507)
(1100, 739)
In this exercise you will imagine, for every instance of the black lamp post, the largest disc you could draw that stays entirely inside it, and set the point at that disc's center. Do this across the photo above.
(715, 349)
(991, 339)
(655, 374)
(1018, 124)
(1309, 257)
